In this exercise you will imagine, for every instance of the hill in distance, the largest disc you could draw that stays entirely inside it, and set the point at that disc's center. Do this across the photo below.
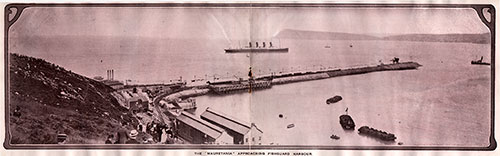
(53, 100)
(323, 35)
(464, 38)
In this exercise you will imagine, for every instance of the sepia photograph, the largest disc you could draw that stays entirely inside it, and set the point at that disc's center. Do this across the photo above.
(249, 76)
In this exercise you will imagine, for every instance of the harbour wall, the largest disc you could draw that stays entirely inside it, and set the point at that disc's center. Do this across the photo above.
(322, 74)
(186, 94)
(299, 78)
(247, 85)
(284, 78)
(264, 82)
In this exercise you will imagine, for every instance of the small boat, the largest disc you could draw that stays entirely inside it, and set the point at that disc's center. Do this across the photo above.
(334, 99)
(346, 122)
(290, 126)
(372, 132)
(328, 46)
(479, 62)
(335, 137)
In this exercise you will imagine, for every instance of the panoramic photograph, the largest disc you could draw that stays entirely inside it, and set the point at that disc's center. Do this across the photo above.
(258, 76)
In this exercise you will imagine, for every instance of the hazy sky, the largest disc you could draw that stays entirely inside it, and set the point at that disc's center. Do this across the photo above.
(90, 40)
(240, 23)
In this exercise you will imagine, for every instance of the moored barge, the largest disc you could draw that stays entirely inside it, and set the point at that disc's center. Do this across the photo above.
(372, 132)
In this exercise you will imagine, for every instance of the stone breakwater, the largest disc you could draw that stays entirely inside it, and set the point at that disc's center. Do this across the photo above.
(267, 81)
(264, 82)
(323, 74)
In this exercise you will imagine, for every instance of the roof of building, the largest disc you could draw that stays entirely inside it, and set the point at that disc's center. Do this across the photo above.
(112, 82)
(203, 126)
(125, 94)
(139, 96)
(227, 121)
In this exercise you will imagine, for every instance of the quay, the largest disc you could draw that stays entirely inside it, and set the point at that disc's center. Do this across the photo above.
(267, 81)
(148, 101)
(322, 74)
(239, 86)
(181, 91)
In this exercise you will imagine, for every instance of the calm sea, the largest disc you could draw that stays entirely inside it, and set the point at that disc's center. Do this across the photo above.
(445, 102)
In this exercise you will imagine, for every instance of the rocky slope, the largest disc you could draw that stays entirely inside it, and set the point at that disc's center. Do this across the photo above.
(54, 100)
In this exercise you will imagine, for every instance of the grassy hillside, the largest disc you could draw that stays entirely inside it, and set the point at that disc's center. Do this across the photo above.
(54, 100)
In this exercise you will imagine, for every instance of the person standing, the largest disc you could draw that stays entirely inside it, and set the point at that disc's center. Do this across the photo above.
(110, 139)
(159, 132)
(133, 137)
(122, 134)
(17, 111)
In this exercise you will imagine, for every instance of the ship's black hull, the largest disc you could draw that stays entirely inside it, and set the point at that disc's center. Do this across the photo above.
(479, 63)
(258, 50)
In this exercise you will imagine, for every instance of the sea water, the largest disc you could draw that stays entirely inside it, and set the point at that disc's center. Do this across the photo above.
(446, 102)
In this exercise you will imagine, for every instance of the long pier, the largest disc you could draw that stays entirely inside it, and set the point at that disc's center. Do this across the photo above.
(238, 86)
(322, 74)
(267, 81)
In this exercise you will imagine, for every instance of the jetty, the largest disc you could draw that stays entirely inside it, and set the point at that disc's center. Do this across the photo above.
(232, 87)
(323, 74)
(267, 81)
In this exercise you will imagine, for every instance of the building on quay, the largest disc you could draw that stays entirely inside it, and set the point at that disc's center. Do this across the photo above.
(242, 132)
(134, 100)
(197, 131)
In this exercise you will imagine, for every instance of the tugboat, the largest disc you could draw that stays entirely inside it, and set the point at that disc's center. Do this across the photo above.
(479, 62)
(346, 122)
(333, 99)
(372, 132)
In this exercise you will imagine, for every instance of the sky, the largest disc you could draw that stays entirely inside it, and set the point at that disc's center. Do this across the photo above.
(78, 38)
(240, 23)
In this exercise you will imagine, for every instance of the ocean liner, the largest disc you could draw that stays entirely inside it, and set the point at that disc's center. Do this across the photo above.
(257, 49)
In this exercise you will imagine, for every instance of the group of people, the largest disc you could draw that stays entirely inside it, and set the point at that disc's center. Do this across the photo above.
(156, 130)
(153, 133)
(123, 136)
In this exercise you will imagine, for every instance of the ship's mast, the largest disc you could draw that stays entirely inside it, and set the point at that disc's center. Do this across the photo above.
(279, 40)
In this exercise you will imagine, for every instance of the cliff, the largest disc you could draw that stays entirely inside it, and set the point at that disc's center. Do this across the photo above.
(54, 100)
